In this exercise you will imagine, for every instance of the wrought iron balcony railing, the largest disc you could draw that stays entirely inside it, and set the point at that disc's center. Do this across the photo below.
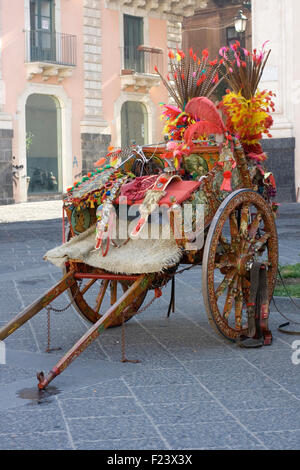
(141, 59)
(53, 48)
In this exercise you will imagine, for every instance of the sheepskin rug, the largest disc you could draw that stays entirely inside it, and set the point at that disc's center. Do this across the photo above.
(136, 257)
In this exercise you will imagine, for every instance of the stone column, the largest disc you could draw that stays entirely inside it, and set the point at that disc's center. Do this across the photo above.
(273, 20)
(95, 134)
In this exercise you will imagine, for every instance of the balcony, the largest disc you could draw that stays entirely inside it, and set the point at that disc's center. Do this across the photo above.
(50, 54)
(138, 67)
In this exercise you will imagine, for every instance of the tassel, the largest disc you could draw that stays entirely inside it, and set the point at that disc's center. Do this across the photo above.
(226, 185)
(92, 205)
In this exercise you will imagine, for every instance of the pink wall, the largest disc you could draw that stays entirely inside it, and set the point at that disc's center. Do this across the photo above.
(14, 69)
(158, 38)
(111, 64)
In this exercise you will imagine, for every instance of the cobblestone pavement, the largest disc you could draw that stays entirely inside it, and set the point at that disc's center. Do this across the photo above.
(192, 389)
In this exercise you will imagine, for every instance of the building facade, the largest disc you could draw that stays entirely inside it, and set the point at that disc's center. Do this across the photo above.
(274, 21)
(75, 77)
(277, 21)
(212, 25)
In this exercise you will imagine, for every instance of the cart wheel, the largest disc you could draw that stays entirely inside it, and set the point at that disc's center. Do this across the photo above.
(242, 231)
(94, 297)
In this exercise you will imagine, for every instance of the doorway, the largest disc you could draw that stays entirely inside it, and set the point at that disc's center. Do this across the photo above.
(134, 123)
(43, 144)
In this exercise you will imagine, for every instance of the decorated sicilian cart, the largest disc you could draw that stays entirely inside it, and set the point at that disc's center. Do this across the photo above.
(126, 231)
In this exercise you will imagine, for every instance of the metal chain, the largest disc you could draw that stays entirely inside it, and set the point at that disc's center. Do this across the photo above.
(49, 308)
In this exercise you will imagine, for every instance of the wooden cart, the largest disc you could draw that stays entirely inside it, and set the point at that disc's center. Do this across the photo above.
(239, 231)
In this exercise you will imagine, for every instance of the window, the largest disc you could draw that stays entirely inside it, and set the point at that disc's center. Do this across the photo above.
(42, 39)
(133, 37)
(134, 123)
(41, 15)
(232, 35)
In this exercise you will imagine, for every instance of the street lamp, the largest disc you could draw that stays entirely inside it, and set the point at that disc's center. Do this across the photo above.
(240, 22)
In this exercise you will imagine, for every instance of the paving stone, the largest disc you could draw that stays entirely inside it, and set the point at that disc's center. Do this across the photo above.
(111, 388)
(36, 441)
(152, 377)
(187, 412)
(100, 407)
(31, 418)
(133, 427)
(282, 440)
(258, 399)
(122, 444)
(285, 419)
(222, 435)
(166, 394)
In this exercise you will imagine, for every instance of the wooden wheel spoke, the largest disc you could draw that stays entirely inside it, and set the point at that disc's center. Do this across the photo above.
(255, 225)
(87, 286)
(113, 292)
(228, 304)
(246, 285)
(262, 241)
(239, 305)
(234, 230)
(244, 220)
(227, 281)
(224, 264)
(101, 294)
(124, 287)
(224, 243)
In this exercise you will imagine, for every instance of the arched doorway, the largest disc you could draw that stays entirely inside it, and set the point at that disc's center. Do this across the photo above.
(43, 144)
(134, 123)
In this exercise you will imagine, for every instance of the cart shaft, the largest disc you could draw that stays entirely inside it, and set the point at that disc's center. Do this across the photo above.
(138, 287)
(30, 311)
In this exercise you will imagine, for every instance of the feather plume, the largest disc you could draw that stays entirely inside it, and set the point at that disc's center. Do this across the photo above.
(200, 129)
(205, 110)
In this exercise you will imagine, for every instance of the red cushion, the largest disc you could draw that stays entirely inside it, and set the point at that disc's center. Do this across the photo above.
(178, 191)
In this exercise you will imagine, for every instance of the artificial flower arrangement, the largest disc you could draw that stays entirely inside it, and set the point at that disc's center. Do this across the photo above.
(190, 77)
(191, 81)
(246, 108)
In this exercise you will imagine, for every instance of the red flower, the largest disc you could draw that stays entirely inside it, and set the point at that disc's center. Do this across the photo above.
(205, 53)
(181, 53)
(171, 54)
(214, 62)
(191, 52)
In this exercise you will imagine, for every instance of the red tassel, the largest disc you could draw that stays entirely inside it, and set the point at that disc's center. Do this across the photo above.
(226, 185)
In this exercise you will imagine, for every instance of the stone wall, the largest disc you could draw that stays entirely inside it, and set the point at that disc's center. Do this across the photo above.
(281, 162)
(6, 175)
(92, 59)
(94, 146)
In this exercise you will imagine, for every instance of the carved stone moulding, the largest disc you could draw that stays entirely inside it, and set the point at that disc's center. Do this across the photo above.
(47, 70)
